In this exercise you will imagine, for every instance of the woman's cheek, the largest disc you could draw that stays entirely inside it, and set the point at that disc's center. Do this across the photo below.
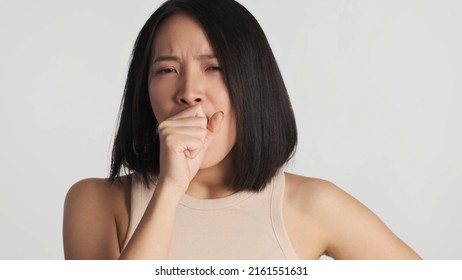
(159, 107)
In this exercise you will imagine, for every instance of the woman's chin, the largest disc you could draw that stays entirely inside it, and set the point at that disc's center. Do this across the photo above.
(215, 160)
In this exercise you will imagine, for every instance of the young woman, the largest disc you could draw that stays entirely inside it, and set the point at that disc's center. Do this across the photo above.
(206, 127)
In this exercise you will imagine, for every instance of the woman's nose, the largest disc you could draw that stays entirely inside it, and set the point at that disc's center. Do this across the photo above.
(191, 91)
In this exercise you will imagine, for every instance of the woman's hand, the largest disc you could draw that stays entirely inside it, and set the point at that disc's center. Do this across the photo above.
(184, 140)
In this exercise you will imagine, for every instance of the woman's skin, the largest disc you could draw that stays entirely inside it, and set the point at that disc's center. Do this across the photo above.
(197, 131)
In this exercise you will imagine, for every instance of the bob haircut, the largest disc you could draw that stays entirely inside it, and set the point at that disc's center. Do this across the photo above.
(266, 130)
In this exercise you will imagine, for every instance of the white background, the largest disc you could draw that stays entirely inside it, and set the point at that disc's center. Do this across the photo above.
(376, 87)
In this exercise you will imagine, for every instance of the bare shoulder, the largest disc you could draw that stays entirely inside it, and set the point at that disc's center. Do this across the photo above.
(96, 215)
(318, 196)
(344, 226)
(96, 190)
(300, 190)
(304, 201)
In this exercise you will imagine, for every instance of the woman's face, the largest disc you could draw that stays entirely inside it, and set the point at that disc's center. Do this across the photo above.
(184, 72)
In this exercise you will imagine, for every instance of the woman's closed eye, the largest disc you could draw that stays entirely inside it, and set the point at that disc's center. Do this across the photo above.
(163, 71)
(213, 68)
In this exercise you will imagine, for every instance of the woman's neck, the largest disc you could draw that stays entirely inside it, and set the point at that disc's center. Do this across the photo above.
(214, 181)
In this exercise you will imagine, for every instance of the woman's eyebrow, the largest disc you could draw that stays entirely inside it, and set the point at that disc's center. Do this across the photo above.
(166, 58)
(207, 56)
(176, 58)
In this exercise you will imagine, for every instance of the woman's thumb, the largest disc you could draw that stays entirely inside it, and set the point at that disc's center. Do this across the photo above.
(214, 122)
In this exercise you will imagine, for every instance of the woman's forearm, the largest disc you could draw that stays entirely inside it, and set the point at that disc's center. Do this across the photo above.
(152, 238)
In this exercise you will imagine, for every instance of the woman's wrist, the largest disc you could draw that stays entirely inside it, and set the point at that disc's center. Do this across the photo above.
(169, 191)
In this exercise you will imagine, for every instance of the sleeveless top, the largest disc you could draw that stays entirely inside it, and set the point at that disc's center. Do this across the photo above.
(244, 225)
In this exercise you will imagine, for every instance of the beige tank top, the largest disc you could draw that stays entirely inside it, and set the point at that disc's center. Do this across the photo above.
(243, 225)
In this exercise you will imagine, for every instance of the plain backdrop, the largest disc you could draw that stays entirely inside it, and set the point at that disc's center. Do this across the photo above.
(375, 84)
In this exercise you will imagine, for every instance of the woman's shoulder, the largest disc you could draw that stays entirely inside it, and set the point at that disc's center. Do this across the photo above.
(345, 227)
(99, 191)
(98, 204)
(306, 205)
(101, 194)
(321, 201)
(315, 194)
(311, 192)
(99, 187)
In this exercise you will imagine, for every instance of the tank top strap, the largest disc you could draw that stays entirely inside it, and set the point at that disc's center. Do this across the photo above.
(139, 200)
(277, 218)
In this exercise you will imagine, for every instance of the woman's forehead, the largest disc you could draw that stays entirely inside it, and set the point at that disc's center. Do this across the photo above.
(181, 33)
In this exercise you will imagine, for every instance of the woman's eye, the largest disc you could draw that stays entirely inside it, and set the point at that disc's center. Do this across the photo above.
(213, 68)
(166, 71)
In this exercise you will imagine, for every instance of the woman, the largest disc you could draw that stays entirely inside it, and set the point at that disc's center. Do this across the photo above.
(206, 126)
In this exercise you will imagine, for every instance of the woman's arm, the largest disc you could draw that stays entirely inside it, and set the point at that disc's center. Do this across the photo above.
(90, 230)
(357, 233)
(184, 139)
(152, 237)
(90, 225)
(348, 229)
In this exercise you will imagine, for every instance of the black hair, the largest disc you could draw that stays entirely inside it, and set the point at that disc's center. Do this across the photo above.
(266, 131)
